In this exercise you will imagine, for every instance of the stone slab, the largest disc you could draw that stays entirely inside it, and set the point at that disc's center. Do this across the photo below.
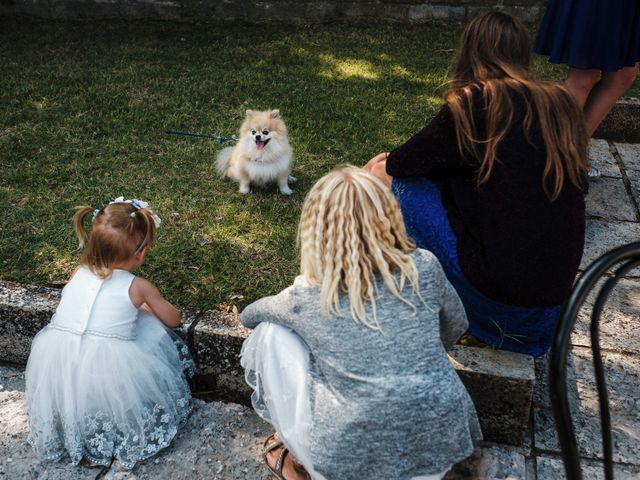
(600, 156)
(24, 310)
(528, 14)
(218, 339)
(630, 156)
(501, 386)
(500, 382)
(623, 378)
(634, 184)
(11, 379)
(622, 122)
(17, 460)
(494, 462)
(549, 468)
(422, 12)
(220, 441)
(281, 11)
(602, 236)
(608, 199)
(619, 322)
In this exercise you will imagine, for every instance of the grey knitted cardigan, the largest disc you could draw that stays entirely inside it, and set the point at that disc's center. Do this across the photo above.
(385, 404)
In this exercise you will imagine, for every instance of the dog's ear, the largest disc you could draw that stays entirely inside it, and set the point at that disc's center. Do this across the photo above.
(275, 113)
(248, 113)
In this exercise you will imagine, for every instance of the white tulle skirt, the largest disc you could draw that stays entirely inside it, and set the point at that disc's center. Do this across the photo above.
(103, 398)
(276, 363)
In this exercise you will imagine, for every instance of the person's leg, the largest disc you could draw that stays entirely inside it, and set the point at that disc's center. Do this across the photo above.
(276, 363)
(605, 94)
(580, 83)
(289, 467)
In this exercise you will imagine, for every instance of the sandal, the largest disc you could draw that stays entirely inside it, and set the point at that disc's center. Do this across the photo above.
(89, 464)
(270, 444)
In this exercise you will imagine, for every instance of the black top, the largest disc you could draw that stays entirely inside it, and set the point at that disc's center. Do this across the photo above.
(514, 244)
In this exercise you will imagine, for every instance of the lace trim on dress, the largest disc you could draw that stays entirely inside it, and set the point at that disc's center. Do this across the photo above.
(99, 440)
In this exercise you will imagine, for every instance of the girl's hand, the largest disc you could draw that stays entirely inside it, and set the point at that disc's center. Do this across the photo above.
(145, 295)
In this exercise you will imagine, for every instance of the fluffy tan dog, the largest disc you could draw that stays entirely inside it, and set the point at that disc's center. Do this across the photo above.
(262, 154)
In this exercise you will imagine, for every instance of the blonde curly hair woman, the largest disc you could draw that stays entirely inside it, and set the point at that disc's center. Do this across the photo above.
(349, 363)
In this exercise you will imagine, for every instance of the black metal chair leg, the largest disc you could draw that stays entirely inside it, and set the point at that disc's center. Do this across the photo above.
(560, 351)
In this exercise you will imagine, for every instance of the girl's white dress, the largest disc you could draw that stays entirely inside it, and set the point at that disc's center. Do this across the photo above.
(105, 380)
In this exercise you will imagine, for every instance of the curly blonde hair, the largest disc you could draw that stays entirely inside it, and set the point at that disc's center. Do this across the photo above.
(350, 229)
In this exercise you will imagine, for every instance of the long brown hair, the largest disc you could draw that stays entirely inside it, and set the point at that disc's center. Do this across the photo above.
(118, 232)
(494, 56)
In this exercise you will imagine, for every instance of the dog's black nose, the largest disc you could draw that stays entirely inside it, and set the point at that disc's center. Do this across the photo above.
(258, 137)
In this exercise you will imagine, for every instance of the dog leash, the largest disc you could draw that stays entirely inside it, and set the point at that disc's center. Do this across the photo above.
(202, 135)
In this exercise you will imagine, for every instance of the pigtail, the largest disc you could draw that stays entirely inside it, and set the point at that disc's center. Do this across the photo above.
(149, 226)
(78, 223)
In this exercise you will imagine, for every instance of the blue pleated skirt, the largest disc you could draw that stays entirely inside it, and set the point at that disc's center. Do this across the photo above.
(507, 327)
(591, 34)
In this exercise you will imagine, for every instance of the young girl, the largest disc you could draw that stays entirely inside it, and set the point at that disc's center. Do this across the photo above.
(105, 379)
(494, 187)
(348, 363)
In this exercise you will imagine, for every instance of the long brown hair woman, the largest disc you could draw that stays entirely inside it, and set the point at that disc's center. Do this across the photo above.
(494, 186)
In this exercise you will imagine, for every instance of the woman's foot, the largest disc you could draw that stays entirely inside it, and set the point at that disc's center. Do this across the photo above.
(281, 462)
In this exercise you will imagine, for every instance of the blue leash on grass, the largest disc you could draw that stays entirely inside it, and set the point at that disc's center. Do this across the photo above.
(202, 135)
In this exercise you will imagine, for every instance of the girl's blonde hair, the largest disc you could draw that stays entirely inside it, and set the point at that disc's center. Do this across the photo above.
(351, 228)
(119, 231)
(494, 55)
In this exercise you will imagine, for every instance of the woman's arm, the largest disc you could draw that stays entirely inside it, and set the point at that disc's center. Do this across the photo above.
(433, 149)
(144, 294)
(453, 319)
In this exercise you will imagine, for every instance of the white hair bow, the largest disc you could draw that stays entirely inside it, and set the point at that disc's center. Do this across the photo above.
(138, 205)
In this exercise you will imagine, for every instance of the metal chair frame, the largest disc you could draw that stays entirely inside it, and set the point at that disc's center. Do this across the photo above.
(629, 257)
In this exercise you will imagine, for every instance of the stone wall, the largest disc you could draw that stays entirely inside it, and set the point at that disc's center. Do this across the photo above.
(500, 383)
(287, 11)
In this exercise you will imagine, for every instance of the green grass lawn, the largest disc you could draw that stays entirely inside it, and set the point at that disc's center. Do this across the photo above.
(83, 108)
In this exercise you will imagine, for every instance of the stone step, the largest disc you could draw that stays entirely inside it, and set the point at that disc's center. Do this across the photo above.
(220, 441)
(500, 383)
(621, 124)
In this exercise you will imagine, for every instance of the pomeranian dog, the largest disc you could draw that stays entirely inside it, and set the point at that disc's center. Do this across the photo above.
(262, 154)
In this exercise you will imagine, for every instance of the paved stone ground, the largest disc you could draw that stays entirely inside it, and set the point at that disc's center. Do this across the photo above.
(222, 440)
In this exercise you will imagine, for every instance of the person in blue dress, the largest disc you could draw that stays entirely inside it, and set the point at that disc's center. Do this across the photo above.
(600, 42)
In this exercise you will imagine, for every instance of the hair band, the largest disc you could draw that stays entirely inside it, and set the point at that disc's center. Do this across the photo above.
(142, 245)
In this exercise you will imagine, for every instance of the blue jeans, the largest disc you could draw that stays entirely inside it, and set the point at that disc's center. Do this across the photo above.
(507, 327)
